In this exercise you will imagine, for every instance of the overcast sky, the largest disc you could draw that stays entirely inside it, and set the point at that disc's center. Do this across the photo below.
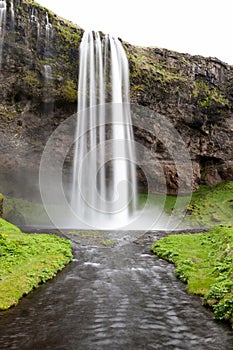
(202, 27)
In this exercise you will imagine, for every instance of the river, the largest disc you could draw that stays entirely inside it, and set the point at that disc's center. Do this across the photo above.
(117, 297)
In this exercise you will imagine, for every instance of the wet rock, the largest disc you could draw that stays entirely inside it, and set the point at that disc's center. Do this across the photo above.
(15, 217)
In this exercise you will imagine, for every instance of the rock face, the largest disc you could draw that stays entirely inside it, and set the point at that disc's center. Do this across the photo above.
(38, 87)
(38, 83)
(196, 95)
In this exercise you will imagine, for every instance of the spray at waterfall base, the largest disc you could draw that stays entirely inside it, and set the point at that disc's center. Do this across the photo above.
(56, 193)
(103, 192)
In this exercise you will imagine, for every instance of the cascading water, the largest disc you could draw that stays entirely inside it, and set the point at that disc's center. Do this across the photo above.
(12, 11)
(104, 175)
(35, 20)
(47, 72)
(48, 30)
(2, 26)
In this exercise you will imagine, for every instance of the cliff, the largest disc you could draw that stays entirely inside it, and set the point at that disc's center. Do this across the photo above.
(38, 83)
(196, 94)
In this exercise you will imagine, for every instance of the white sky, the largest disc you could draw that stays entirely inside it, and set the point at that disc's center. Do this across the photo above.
(203, 27)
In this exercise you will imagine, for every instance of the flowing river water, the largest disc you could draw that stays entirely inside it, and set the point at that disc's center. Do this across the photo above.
(117, 297)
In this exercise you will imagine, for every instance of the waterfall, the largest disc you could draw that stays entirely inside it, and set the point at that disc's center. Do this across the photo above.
(48, 30)
(2, 26)
(35, 20)
(104, 175)
(12, 11)
(47, 72)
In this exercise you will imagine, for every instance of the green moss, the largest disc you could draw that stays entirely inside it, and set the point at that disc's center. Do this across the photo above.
(18, 108)
(35, 4)
(86, 233)
(205, 263)
(209, 205)
(8, 228)
(138, 88)
(68, 31)
(27, 261)
(212, 204)
(32, 82)
(208, 94)
(68, 91)
(140, 61)
(20, 10)
(108, 242)
(21, 211)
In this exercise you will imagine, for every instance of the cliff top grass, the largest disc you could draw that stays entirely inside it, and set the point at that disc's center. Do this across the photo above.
(51, 13)
(205, 263)
(144, 59)
(27, 260)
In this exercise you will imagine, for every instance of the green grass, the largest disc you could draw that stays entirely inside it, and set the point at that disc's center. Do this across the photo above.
(23, 212)
(205, 262)
(168, 201)
(27, 261)
(86, 233)
(212, 205)
(209, 206)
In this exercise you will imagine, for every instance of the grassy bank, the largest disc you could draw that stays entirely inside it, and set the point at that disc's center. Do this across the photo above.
(205, 263)
(209, 206)
(23, 212)
(27, 261)
(212, 206)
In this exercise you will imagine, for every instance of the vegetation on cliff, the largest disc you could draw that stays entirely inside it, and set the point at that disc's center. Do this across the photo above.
(205, 263)
(35, 44)
(174, 72)
(27, 260)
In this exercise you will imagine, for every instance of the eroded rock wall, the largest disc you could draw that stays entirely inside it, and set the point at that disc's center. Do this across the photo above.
(196, 95)
(38, 90)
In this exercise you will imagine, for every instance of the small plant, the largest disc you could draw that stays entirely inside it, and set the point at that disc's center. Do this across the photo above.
(224, 309)
(18, 108)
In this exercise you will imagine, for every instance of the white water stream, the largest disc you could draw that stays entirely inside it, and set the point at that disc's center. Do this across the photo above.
(2, 26)
(104, 176)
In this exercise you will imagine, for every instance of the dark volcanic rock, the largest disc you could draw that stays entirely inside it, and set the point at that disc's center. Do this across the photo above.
(38, 83)
(196, 95)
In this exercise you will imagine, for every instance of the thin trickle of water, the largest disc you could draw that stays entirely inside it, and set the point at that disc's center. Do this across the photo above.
(48, 30)
(48, 99)
(47, 72)
(2, 26)
(12, 11)
(104, 177)
(33, 17)
(35, 20)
